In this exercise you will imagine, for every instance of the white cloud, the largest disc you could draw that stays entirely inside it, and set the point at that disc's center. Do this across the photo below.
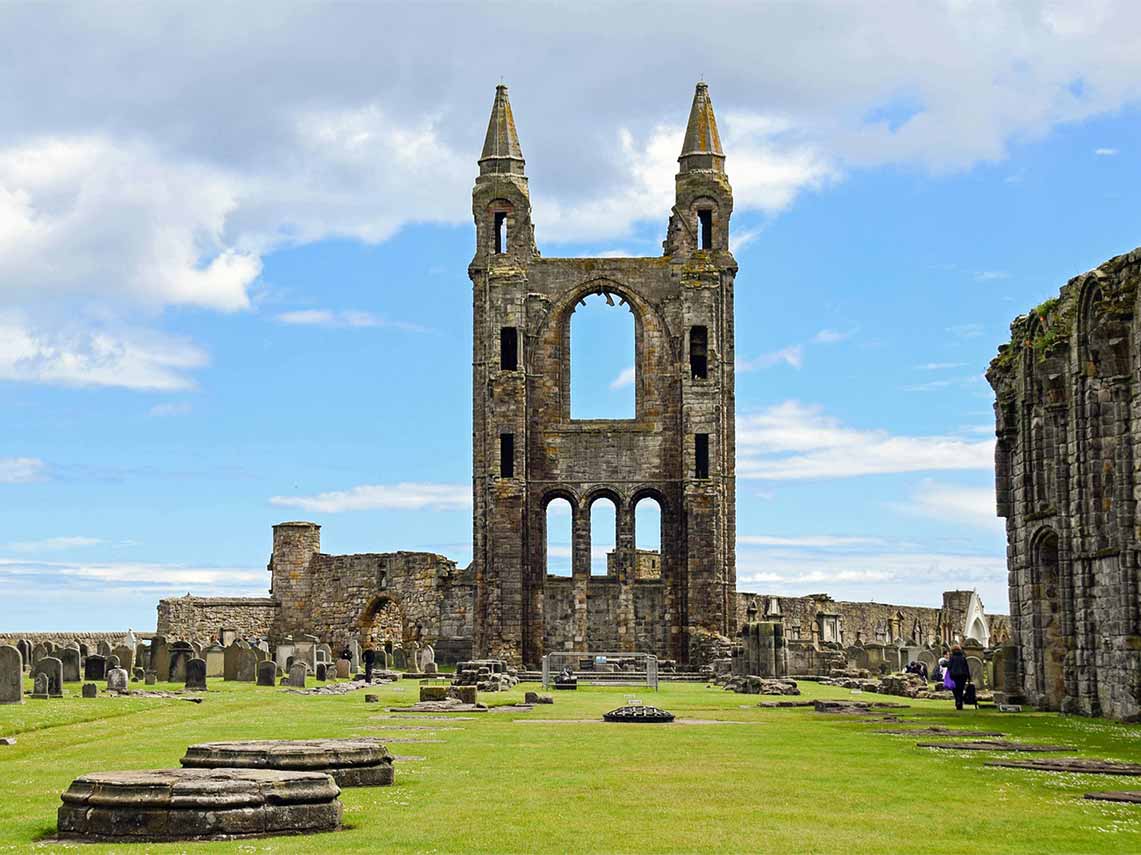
(793, 356)
(132, 573)
(89, 354)
(792, 441)
(1105, 152)
(832, 336)
(20, 470)
(178, 408)
(367, 497)
(626, 377)
(349, 318)
(52, 544)
(991, 275)
(951, 503)
(823, 541)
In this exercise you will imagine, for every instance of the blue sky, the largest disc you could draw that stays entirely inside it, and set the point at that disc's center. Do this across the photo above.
(233, 288)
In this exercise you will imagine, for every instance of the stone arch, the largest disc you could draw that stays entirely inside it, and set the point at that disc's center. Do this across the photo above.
(649, 325)
(383, 620)
(542, 541)
(611, 496)
(1050, 621)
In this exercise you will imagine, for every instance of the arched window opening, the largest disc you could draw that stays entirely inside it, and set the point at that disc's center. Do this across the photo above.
(500, 232)
(385, 623)
(603, 537)
(559, 537)
(648, 539)
(705, 227)
(603, 376)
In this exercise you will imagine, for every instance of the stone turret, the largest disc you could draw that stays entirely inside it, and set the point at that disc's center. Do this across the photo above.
(294, 545)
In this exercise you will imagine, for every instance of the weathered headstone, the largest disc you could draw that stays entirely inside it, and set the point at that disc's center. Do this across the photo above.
(112, 662)
(267, 673)
(399, 659)
(142, 656)
(196, 674)
(344, 668)
(322, 671)
(356, 655)
(247, 666)
(215, 656)
(126, 657)
(103, 648)
(95, 667)
(11, 675)
(160, 658)
(138, 674)
(284, 652)
(52, 670)
(150, 678)
(425, 655)
(228, 636)
(39, 651)
(325, 654)
(90, 690)
(305, 650)
(431, 668)
(977, 672)
(69, 658)
(117, 680)
(41, 686)
(297, 674)
(230, 658)
(180, 653)
(25, 648)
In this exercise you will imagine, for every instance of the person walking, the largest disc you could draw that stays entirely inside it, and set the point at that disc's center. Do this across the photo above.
(960, 671)
(369, 659)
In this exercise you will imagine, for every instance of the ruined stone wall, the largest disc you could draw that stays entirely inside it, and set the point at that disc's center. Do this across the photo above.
(90, 639)
(603, 603)
(202, 619)
(1068, 417)
(859, 623)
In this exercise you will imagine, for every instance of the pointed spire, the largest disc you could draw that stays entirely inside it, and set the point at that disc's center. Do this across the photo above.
(701, 149)
(501, 151)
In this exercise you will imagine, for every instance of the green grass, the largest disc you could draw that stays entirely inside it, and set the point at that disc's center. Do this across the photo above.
(791, 780)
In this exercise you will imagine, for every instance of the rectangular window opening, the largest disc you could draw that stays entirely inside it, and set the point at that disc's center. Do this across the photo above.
(507, 455)
(500, 232)
(508, 349)
(698, 352)
(701, 455)
(705, 225)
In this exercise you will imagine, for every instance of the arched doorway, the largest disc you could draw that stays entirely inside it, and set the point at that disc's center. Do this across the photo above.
(1051, 640)
(383, 621)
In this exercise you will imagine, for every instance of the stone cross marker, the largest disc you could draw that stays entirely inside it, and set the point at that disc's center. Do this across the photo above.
(117, 680)
(11, 675)
(196, 674)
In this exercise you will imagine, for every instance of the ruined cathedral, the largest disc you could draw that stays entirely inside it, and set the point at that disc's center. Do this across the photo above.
(679, 602)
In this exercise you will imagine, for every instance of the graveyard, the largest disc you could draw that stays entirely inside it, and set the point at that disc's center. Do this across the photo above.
(727, 775)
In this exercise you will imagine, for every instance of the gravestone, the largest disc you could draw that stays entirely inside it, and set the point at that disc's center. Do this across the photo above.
(322, 671)
(117, 680)
(267, 673)
(160, 658)
(90, 690)
(355, 655)
(431, 668)
(196, 674)
(399, 660)
(284, 652)
(39, 651)
(126, 657)
(112, 662)
(142, 656)
(138, 674)
(150, 678)
(41, 686)
(230, 658)
(344, 668)
(247, 666)
(52, 669)
(325, 654)
(305, 651)
(297, 673)
(215, 656)
(425, 656)
(977, 671)
(69, 658)
(104, 649)
(25, 648)
(11, 675)
(180, 653)
(95, 667)
(228, 636)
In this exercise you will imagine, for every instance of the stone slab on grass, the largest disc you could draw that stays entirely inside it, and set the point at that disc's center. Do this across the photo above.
(363, 762)
(937, 730)
(995, 745)
(1076, 765)
(1132, 797)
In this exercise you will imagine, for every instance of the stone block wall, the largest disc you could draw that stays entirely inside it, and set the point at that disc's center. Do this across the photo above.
(202, 619)
(1067, 422)
(603, 605)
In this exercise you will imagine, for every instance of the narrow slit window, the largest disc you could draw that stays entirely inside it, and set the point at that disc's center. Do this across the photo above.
(508, 348)
(701, 455)
(507, 455)
(698, 352)
(500, 232)
(705, 228)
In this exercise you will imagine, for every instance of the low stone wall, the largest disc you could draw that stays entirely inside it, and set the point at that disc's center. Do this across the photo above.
(202, 619)
(90, 639)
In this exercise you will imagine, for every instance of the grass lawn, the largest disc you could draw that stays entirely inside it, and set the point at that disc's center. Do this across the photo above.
(786, 780)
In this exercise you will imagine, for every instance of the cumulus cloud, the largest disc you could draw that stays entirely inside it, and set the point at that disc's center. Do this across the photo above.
(626, 377)
(369, 497)
(953, 503)
(21, 470)
(52, 544)
(794, 441)
(74, 353)
(146, 574)
(792, 356)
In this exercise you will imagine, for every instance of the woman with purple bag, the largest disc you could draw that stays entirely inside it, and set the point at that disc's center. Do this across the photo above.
(958, 674)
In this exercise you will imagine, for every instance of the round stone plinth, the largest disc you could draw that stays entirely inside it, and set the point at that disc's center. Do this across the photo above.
(351, 762)
(639, 715)
(198, 804)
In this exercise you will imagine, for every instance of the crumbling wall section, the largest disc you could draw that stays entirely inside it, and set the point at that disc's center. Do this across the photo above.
(202, 619)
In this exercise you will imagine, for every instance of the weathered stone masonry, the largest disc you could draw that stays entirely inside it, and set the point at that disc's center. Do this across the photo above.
(1068, 417)
(527, 450)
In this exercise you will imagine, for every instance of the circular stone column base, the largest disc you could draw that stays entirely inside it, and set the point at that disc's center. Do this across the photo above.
(197, 804)
(352, 762)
